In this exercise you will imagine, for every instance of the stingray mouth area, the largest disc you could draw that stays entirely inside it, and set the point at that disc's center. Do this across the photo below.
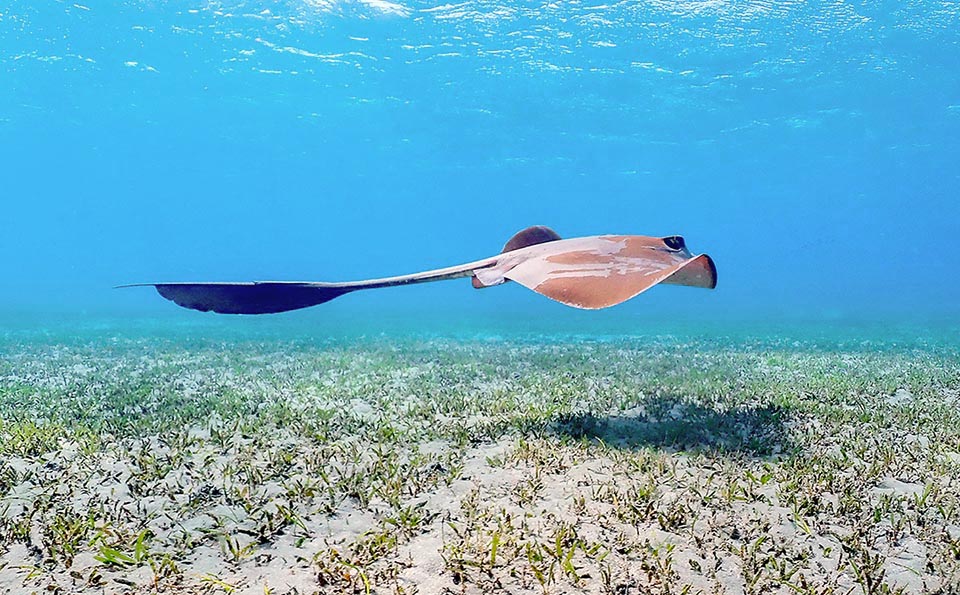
(594, 291)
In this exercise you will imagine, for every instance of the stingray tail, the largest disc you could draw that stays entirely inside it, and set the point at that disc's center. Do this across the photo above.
(247, 298)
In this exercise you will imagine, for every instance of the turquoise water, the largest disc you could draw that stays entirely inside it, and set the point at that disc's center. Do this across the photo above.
(810, 148)
(797, 429)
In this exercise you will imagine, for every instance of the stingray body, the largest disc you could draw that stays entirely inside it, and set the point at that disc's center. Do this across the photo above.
(590, 272)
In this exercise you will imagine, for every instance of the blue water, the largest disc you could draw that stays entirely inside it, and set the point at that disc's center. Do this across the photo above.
(811, 148)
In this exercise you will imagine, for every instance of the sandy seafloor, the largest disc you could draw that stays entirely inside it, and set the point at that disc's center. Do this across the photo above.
(142, 457)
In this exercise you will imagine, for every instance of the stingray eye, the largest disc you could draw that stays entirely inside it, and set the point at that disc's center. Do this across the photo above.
(674, 242)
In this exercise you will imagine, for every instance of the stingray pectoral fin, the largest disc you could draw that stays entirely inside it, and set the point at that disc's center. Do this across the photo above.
(699, 271)
(609, 272)
(248, 298)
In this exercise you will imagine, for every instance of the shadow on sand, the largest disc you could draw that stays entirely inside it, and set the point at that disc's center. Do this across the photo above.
(673, 422)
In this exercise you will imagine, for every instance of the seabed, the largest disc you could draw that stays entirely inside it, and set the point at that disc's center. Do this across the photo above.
(654, 464)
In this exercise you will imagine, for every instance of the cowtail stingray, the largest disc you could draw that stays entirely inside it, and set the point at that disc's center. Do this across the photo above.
(590, 272)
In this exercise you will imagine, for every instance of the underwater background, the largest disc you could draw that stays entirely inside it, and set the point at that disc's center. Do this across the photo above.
(810, 148)
(795, 430)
